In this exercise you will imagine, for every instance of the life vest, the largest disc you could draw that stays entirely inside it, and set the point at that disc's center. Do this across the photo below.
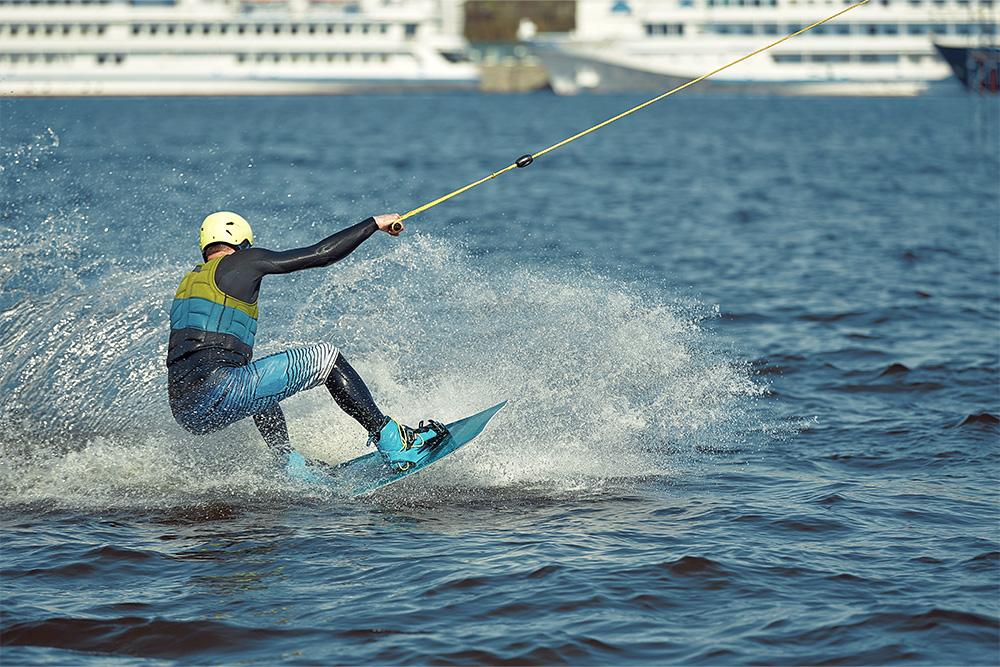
(203, 317)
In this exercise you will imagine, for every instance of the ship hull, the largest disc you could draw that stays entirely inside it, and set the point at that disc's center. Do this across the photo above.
(570, 74)
(645, 46)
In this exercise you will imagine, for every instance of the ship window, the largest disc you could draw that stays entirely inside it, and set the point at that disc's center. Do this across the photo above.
(276, 28)
(879, 57)
(410, 29)
(260, 29)
(347, 28)
(206, 29)
(384, 29)
(153, 29)
(294, 28)
(939, 29)
(653, 29)
(329, 28)
(788, 57)
(770, 28)
(223, 28)
(312, 29)
(830, 58)
(365, 28)
(241, 29)
(989, 28)
(916, 29)
(842, 28)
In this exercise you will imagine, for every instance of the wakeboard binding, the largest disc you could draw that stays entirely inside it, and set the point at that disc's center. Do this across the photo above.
(402, 446)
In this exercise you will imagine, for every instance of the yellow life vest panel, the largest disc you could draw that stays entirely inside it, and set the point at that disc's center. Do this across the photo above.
(203, 316)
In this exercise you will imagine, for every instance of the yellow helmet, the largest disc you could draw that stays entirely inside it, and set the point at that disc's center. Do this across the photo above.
(226, 227)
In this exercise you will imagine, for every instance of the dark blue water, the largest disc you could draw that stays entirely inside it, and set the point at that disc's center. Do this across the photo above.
(750, 347)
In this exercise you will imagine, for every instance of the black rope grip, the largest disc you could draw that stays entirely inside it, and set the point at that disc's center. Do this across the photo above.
(524, 161)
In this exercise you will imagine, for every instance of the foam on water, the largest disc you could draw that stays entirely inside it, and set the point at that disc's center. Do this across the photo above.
(604, 380)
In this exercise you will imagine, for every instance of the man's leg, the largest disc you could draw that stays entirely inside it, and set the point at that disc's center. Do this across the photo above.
(401, 445)
(256, 389)
(274, 430)
(353, 397)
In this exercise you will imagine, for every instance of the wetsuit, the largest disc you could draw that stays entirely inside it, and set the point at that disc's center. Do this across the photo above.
(213, 381)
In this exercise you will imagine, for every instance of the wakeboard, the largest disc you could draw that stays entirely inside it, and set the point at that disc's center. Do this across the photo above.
(370, 471)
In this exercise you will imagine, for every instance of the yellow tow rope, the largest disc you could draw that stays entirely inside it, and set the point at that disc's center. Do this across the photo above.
(525, 160)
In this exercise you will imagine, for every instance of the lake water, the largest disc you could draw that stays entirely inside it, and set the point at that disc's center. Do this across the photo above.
(750, 348)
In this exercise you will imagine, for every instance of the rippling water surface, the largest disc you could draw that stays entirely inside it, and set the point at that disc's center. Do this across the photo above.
(750, 348)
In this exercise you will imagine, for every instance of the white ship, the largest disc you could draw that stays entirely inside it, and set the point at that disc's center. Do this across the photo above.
(230, 47)
(882, 48)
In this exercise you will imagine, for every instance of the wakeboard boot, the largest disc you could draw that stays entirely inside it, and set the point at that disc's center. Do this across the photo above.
(402, 446)
(300, 469)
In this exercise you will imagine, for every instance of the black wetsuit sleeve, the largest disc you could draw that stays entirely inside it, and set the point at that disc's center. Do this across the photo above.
(239, 274)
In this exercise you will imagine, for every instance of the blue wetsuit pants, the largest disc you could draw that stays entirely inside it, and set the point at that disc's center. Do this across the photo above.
(231, 393)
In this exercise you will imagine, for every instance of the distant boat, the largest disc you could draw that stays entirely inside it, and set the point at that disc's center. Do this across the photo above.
(975, 67)
(883, 48)
(231, 47)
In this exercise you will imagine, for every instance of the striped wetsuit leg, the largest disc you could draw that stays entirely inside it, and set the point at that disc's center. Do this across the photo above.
(243, 391)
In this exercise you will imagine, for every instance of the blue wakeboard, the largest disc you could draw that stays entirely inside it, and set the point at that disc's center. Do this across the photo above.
(370, 471)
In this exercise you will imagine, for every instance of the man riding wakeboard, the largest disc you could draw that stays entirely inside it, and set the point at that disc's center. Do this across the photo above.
(213, 381)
